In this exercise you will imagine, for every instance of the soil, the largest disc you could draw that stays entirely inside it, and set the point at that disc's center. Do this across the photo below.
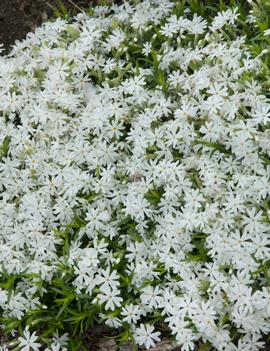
(18, 17)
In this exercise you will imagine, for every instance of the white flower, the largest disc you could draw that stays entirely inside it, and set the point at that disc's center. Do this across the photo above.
(147, 48)
(96, 219)
(114, 40)
(131, 313)
(27, 342)
(145, 336)
(108, 279)
(62, 340)
(151, 297)
(110, 296)
(56, 347)
(224, 17)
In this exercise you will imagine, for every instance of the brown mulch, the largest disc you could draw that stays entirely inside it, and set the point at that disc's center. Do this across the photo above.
(101, 338)
(18, 17)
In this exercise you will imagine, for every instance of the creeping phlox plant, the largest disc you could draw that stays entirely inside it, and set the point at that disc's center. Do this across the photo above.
(135, 177)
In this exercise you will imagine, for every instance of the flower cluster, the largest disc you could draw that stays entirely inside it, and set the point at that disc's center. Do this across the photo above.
(135, 153)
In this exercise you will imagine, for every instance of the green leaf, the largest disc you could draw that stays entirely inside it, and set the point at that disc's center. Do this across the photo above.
(215, 146)
(73, 33)
(4, 147)
(159, 75)
(154, 195)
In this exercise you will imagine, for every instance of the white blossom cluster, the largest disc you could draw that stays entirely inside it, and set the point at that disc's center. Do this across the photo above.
(135, 154)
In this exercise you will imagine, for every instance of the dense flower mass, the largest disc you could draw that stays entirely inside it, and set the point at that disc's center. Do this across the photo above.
(135, 153)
